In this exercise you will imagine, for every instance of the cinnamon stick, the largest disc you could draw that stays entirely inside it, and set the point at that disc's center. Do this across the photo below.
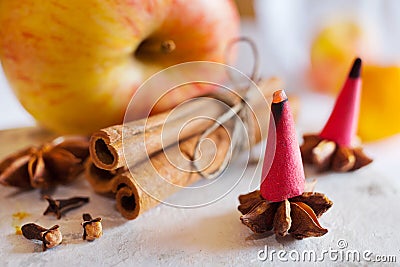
(135, 193)
(101, 180)
(158, 175)
(143, 137)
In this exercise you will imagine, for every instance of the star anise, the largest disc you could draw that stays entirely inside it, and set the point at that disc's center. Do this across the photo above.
(57, 162)
(297, 216)
(327, 155)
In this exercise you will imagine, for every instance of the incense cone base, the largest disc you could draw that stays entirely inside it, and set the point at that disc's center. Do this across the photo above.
(327, 157)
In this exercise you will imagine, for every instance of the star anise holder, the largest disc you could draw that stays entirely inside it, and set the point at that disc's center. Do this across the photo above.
(296, 216)
(336, 147)
(281, 204)
(57, 162)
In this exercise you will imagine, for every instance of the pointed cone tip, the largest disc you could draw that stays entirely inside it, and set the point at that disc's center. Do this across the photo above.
(355, 71)
(279, 96)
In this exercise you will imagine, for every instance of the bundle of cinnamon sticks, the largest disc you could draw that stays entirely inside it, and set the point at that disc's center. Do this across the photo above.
(141, 163)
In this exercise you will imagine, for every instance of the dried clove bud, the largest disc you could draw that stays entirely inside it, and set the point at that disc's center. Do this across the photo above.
(60, 206)
(92, 228)
(50, 237)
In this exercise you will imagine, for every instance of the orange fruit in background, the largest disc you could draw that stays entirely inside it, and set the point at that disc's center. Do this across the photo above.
(380, 102)
(332, 52)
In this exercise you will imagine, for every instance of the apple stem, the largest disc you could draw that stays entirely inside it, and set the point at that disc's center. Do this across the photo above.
(153, 46)
(167, 46)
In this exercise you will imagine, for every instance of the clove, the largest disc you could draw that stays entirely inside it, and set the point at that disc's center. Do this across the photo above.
(50, 237)
(92, 228)
(60, 206)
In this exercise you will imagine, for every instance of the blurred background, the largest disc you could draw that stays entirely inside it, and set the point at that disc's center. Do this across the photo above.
(310, 44)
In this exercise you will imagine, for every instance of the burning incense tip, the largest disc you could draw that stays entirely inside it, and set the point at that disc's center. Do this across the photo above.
(356, 69)
(279, 96)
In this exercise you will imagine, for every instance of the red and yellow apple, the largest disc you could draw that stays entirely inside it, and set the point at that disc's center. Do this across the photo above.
(75, 64)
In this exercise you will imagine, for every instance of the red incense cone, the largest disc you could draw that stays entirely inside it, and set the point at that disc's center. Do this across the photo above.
(342, 124)
(285, 178)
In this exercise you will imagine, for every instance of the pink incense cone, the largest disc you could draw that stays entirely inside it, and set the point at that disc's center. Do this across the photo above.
(285, 178)
(342, 124)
